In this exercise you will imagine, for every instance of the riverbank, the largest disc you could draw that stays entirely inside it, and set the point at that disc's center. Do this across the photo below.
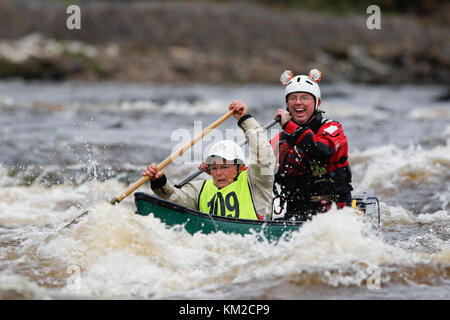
(198, 42)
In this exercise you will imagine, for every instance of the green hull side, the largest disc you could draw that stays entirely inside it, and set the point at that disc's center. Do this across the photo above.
(195, 221)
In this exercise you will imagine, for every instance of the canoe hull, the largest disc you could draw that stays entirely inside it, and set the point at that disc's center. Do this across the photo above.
(195, 221)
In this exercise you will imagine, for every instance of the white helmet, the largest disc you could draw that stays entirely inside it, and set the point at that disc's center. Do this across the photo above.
(228, 150)
(302, 83)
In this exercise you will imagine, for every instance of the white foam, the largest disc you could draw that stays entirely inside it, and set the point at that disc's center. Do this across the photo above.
(342, 110)
(34, 44)
(391, 168)
(124, 255)
(36, 204)
(5, 179)
(6, 101)
(430, 113)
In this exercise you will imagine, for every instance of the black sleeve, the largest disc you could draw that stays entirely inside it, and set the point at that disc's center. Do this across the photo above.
(158, 183)
(243, 118)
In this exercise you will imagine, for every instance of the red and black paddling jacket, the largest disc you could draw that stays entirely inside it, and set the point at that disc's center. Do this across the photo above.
(313, 164)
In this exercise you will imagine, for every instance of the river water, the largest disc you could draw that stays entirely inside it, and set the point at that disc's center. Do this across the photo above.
(69, 147)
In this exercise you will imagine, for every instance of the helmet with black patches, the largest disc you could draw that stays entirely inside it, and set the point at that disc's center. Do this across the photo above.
(302, 83)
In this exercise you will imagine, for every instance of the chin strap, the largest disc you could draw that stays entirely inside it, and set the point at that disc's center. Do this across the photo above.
(237, 171)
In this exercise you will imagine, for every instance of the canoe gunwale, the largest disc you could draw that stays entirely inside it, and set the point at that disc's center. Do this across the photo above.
(140, 196)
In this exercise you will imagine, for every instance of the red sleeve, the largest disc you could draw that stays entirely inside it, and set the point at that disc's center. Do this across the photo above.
(291, 127)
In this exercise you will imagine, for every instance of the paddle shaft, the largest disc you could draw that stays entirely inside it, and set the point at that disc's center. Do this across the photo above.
(199, 172)
(172, 157)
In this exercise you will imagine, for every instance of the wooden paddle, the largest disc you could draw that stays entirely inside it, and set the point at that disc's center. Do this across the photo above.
(163, 164)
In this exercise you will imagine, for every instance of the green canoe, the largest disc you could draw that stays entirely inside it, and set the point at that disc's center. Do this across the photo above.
(194, 221)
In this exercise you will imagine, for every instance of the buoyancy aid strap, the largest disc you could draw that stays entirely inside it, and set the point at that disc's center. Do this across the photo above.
(320, 198)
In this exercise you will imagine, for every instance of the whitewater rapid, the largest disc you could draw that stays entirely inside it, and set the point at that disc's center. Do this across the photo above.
(68, 148)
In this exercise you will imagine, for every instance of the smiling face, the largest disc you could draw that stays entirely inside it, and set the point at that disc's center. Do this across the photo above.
(223, 172)
(301, 106)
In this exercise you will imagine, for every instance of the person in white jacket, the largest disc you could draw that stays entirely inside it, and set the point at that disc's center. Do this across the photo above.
(234, 190)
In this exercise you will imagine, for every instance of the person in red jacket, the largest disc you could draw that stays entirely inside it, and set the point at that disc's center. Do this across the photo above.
(312, 153)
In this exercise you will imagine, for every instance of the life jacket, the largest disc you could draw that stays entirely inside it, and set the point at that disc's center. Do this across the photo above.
(313, 164)
(235, 200)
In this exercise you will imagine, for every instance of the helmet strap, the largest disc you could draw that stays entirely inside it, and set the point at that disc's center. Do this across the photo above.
(237, 169)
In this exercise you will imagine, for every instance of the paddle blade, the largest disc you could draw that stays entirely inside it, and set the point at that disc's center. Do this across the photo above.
(75, 221)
